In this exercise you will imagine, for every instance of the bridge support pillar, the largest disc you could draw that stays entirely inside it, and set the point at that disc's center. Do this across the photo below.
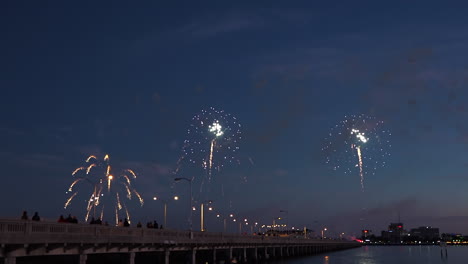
(214, 255)
(244, 255)
(167, 254)
(194, 256)
(230, 253)
(255, 255)
(273, 252)
(131, 258)
(10, 260)
(281, 251)
(83, 258)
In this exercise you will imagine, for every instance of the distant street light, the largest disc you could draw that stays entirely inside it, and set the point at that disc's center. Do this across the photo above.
(155, 198)
(287, 217)
(191, 199)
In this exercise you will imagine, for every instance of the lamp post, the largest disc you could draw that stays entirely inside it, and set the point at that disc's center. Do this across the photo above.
(323, 231)
(165, 207)
(224, 221)
(191, 198)
(287, 217)
(202, 212)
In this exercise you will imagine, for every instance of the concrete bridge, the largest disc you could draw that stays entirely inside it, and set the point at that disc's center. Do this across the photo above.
(21, 239)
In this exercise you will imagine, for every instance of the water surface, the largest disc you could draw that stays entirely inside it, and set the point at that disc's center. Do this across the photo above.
(386, 255)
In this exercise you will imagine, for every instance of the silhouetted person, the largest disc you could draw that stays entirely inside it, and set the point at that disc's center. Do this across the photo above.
(139, 224)
(61, 219)
(126, 223)
(98, 221)
(161, 227)
(24, 216)
(155, 225)
(74, 220)
(36, 217)
(120, 223)
(92, 222)
(149, 225)
(69, 219)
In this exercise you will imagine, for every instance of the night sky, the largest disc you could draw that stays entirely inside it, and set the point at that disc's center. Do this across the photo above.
(126, 79)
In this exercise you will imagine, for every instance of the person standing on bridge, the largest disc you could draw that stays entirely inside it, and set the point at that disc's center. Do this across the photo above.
(36, 217)
(61, 219)
(24, 216)
(126, 223)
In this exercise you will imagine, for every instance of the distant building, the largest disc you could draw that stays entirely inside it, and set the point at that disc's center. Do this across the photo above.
(454, 238)
(395, 233)
(425, 233)
(366, 233)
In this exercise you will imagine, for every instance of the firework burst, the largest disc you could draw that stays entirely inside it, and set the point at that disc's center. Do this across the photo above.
(105, 186)
(212, 142)
(358, 143)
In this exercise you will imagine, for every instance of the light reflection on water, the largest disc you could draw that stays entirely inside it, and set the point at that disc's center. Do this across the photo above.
(386, 255)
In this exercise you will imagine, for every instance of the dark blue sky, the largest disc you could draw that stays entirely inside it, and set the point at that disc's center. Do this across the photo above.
(126, 79)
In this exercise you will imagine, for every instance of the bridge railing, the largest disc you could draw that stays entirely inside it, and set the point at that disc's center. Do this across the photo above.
(23, 231)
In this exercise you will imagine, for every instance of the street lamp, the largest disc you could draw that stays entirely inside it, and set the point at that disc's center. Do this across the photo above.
(165, 208)
(287, 217)
(191, 198)
(323, 231)
(202, 224)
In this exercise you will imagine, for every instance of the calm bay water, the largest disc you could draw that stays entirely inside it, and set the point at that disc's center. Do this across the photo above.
(386, 255)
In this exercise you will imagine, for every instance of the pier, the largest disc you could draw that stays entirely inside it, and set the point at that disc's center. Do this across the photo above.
(19, 239)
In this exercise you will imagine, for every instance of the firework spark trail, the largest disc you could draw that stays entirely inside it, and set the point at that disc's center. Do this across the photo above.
(213, 142)
(119, 205)
(116, 216)
(73, 184)
(109, 179)
(132, 172)
(128, 215)
(77, 170)
(90, 167)
(358, 149)
(102, 213)
(88, 210)
(139, 197)
(127, 179)
(129, 192)
(91, 157)
(69, 200)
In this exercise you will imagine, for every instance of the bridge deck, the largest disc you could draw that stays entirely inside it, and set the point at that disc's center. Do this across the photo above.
(30, 238)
